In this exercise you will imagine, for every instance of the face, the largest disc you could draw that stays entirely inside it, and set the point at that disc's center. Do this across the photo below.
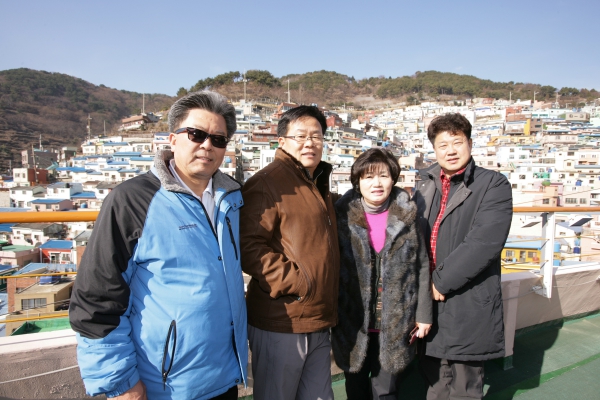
(198, 161)
(308, 153)
(376, 185)
(453, 151)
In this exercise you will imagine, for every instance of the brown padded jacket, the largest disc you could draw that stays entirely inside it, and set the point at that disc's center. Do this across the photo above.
(289, 246)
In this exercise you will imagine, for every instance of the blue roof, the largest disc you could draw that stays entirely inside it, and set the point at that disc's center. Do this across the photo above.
(162, 134)
(129, 170)
(94, 173)
(71, 169)
(519, 243)
(47, 201)
(142, 158)
(34, 266)
(127, 153)
(115, 143)
(6, 227)
(57, 244)
(84, 195)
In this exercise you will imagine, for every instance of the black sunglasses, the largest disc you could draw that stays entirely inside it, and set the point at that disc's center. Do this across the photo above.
(199, 136)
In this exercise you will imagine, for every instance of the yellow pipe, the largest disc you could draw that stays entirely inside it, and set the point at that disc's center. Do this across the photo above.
(34, 275)
(48, 216)
(8, 321)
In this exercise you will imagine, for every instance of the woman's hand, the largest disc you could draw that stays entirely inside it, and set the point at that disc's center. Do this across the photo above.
(423, 329)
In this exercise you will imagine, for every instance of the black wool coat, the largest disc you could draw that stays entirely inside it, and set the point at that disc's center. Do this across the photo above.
(468, 325)
(406, 295)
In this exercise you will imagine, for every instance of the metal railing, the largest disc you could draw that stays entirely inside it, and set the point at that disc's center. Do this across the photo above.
(546, 264)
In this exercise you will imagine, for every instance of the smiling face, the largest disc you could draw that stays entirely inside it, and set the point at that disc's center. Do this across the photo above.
(453, 151)
(197, 162)
(376, 185)
(308, 153)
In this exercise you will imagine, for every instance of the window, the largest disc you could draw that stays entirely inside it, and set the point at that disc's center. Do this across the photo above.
(510, 253)
(27, 304)
(568, 164)
(582, 201)
(530, 254)
(545, 201)
(490, 163)
(570, 200)
(65, 257)
(570, 153)
(521, 176)
(514, 185)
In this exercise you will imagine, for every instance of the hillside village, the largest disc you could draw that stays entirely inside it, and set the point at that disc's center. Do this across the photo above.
(549, 154)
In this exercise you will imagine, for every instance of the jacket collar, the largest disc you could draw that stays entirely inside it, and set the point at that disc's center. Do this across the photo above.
(222, 183)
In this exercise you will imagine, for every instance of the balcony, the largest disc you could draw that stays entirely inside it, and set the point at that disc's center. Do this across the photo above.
(551, 316)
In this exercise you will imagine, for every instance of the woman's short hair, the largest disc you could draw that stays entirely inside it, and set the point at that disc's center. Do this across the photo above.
(371, 158)
(204, 100)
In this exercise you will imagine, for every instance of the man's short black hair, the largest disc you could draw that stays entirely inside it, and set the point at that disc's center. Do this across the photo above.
(300, 112)
(453, 122)
(369, 160)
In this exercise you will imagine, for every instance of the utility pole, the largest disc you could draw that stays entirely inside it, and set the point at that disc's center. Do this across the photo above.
(143, 103)
(288, 91)
(244, 80)
(534, 93)
(509, 97)
(89, 127)
(34, 166)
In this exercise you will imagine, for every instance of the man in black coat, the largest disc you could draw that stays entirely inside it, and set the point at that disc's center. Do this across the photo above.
(465, 212)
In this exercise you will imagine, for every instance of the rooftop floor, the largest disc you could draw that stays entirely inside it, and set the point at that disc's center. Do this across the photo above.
(557, 360)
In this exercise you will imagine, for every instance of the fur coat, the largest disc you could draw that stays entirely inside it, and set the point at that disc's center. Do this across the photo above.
(406, 296)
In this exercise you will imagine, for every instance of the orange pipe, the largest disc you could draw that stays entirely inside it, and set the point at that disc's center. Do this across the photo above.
(48, 216)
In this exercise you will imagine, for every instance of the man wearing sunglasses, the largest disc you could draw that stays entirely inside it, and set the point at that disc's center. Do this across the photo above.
(290, 248)
(158, 304)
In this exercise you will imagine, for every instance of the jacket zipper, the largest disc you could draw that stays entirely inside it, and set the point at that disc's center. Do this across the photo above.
(165, 373)
(232, 237)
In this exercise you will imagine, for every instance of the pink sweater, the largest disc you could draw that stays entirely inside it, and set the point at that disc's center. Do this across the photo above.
(377, 226)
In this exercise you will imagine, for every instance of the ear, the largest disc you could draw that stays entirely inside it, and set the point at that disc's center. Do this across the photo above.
(172, 140)
(281, 141)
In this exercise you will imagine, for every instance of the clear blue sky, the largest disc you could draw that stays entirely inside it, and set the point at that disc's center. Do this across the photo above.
(157, 47)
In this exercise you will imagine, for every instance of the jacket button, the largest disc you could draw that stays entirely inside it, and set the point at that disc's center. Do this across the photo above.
(220, 258)
(237, 380)
(441, 267)
(231, 322)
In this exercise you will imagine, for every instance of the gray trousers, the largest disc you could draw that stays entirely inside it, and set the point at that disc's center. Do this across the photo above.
(290, 366)
(452, 380)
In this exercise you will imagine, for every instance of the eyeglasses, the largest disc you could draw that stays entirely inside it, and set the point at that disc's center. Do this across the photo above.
(199, 136)
(304, 138)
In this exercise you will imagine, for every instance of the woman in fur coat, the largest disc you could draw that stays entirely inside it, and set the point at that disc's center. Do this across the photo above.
(384, 279)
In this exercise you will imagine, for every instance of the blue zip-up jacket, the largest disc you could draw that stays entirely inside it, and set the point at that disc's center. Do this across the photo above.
(159, 294)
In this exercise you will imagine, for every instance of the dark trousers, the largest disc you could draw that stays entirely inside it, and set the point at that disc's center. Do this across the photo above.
(371, 382)
(231, 394)
(450, 380)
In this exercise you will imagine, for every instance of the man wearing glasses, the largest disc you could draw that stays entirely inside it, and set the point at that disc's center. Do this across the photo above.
(290, 249)
(158, 304)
